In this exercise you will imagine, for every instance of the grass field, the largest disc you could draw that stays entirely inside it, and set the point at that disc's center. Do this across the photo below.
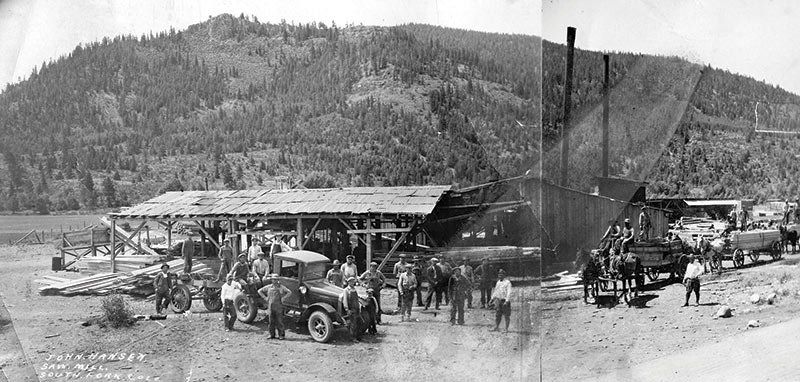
(14, 227)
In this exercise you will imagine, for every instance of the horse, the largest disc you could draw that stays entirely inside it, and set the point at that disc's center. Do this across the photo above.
(627, 267)
(590, 268)
(788, 237)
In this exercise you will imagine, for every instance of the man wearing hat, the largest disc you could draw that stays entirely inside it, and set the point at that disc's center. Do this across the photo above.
(466, 271)
(399, 269)
(349, 268)
(416, 270)
(502, 300)
(162, 285)
(691, 279)
(627, 235)
(274, 294)
(261, 267)
(374, 280)
(187, 250)
(241, 270)
(334, 275)
(434, 276)
(254, 251)
(351, 308)
(228, 294)
(458, 288)
(485, 275)
(406, 284)
(226, 259)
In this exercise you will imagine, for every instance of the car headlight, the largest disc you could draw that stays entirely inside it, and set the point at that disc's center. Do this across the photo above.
(303, 289)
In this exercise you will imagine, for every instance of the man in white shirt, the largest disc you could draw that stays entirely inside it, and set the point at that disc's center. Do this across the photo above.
(254, 251)
(400, 269)
(229, 291)
(406, 284)
(692, 281)
(349, 268)
(502, 300)
(261, 267)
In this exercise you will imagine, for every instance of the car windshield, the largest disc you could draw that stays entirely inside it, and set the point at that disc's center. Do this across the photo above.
(315, 271)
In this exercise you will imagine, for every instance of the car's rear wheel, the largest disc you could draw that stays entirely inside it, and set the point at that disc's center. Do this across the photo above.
(320, 326)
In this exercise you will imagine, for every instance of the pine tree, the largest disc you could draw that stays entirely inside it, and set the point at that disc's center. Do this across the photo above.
(109, 192)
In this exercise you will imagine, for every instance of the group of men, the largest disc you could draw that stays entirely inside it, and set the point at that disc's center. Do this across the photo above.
(620, 239)
(791, 212)
(455, 284)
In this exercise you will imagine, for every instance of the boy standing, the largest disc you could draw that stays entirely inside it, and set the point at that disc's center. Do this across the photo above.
(229, 291)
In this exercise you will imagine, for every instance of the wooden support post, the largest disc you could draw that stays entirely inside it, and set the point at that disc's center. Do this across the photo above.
(91, 243)
(169, 234)
(299, 237)
(369, 240)
(113, 245)
(203, 238)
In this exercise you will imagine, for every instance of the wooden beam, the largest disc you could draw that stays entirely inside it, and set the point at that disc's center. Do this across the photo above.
(311, 233)
(210, 237)
(394, 248)
(428, 235)
(379, 230)
(350, 227)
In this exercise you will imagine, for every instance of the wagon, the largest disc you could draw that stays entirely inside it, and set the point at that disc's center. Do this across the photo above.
(661, 255)
(195, 286)
(753, 244)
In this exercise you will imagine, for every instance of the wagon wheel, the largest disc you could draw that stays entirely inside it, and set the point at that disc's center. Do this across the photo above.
(680, 266)
(738, 258)
(181, 299)
(212, 300)
(777, 251)
(652, 273)
(754, 256)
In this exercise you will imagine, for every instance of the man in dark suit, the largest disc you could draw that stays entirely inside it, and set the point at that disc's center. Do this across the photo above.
(434, 276)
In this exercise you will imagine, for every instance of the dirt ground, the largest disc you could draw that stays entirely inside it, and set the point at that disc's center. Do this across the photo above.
(42, 338)
(582, 342)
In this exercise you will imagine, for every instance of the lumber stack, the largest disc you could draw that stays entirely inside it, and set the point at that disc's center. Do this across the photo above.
(139, 280)
(124, 263)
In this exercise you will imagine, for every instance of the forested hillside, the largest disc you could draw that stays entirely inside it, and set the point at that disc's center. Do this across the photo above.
(686, 129)
(234, 103)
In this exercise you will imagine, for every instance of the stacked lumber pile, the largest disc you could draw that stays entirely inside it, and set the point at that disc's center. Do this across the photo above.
(124, 263)
(135, 282)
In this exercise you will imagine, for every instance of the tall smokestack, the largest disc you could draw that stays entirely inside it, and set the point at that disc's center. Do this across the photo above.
(567, 106)
(604, 162)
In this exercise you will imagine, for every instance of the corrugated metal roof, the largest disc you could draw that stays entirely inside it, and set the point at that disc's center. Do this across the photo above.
(247, 203)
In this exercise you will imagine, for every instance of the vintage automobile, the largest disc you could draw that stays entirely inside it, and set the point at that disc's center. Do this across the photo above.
(313, 303)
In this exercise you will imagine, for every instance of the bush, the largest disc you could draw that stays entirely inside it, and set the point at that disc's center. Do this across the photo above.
(117, 312)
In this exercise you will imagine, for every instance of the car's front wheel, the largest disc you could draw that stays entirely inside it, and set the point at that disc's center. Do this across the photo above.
(245, 308)
(320, 326)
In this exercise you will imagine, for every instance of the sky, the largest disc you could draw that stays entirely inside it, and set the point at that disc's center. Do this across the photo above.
(754, 38)
(35, 31)
(758, 39)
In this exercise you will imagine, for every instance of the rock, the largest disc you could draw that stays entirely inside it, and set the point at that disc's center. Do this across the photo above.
(724, 311)
(755, 298)
(771, 298)
(753, 324)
